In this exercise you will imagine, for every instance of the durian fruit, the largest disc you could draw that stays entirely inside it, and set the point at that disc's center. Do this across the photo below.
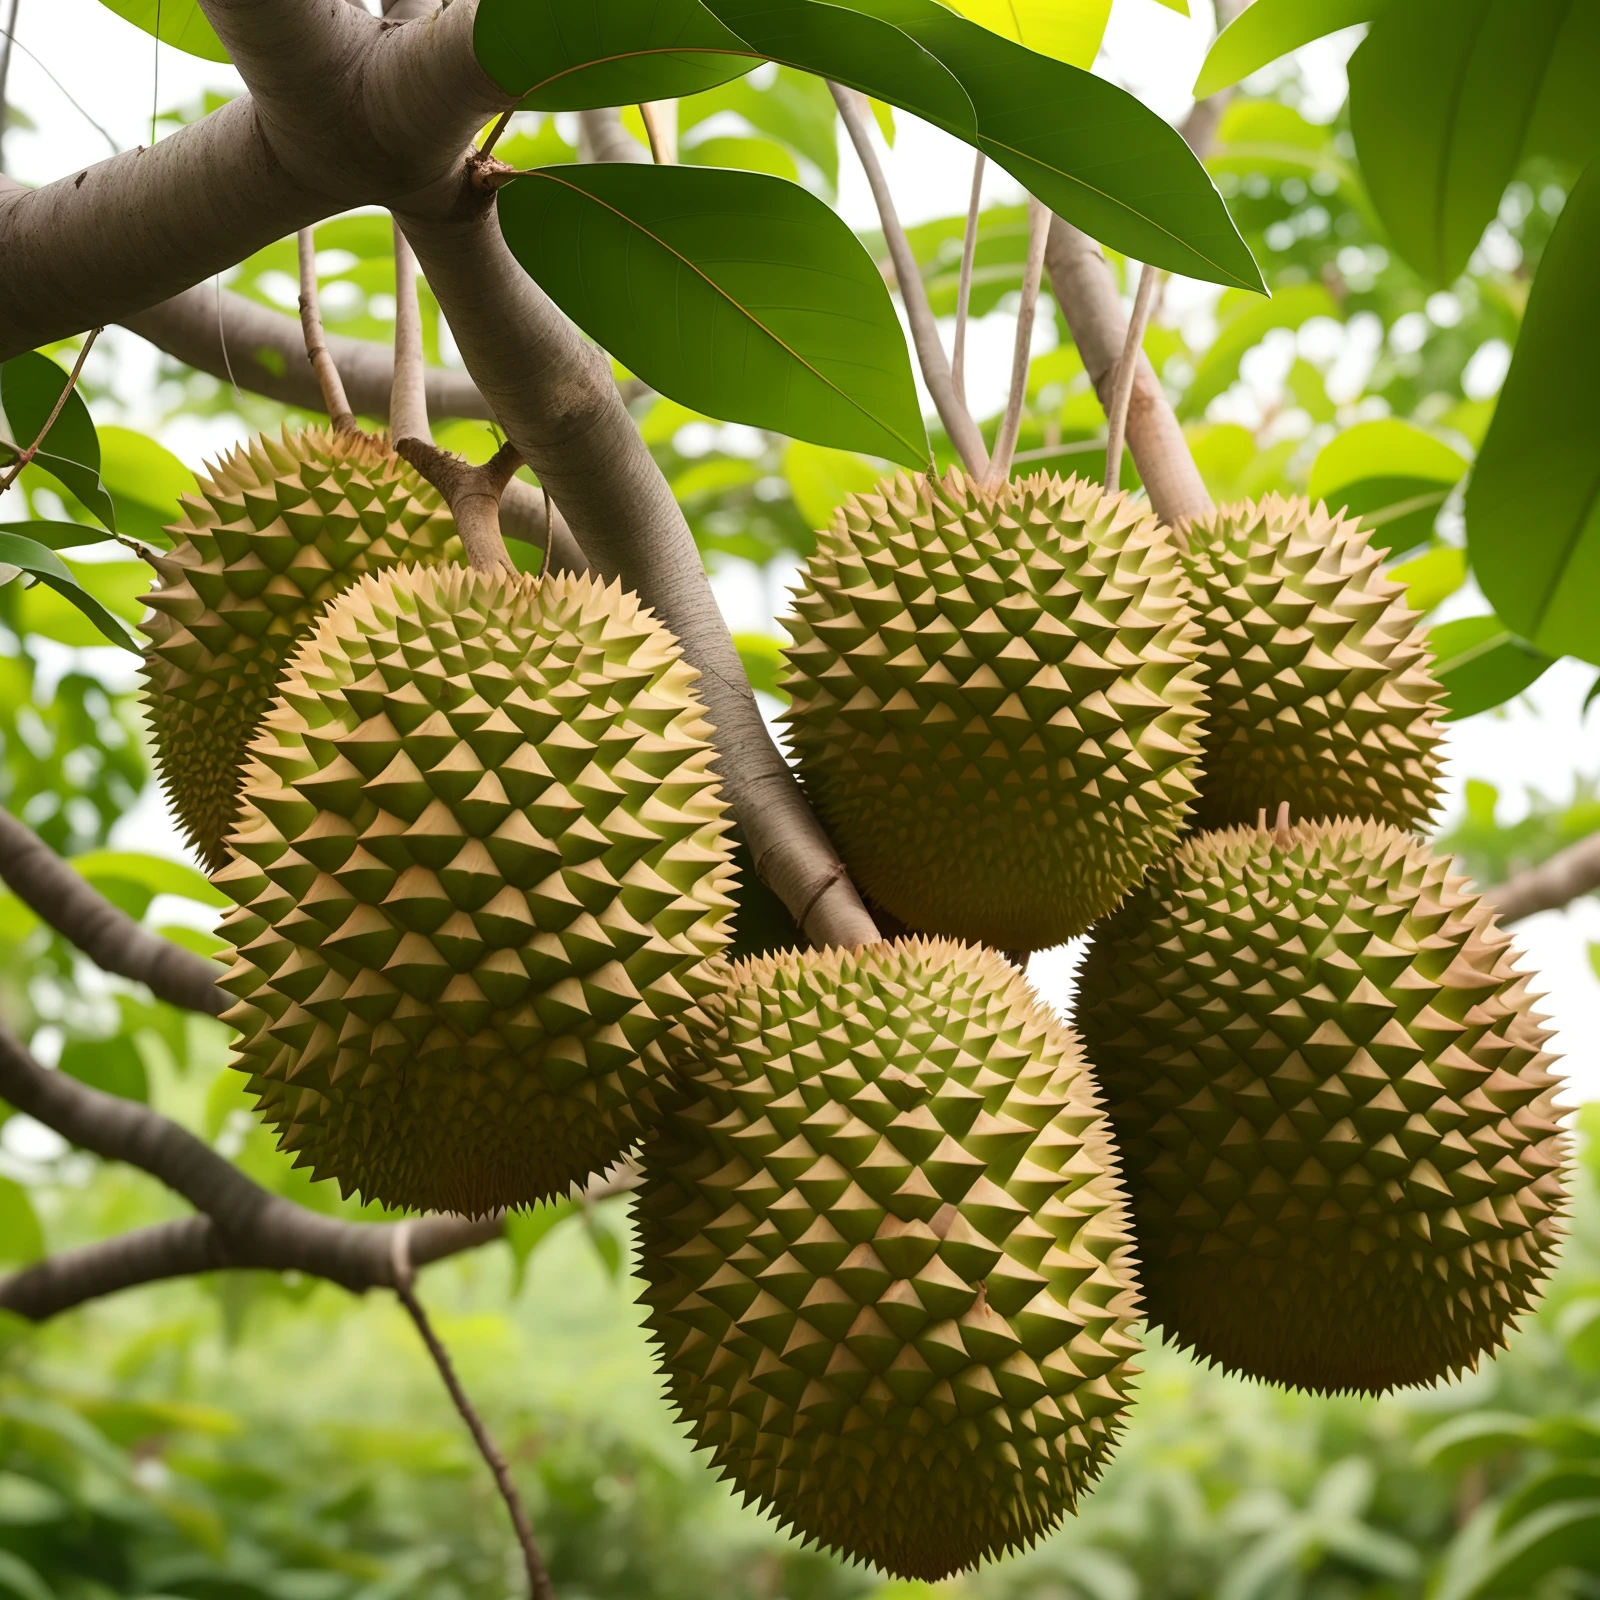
(481, 870)
(277, 530)
(1317, 673)
(886, 1253)
(995, 703)
(1333, 1103)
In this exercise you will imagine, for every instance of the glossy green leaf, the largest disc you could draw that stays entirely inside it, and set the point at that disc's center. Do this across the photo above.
(58, 535)
(526, 1230)
(821, 480)
(778, 316)
(183, 24)
(1245, 320)
(30, 385)
(1068, 30)
(1432, 577)
(153, 874)
(1392, 475)
(1446, 99)
(39, 561)
(1086, 148)
(1482, 664)
(20, 1238)
(1474, 1437)
(1533, 505)
(1272, 28)
(795, 108)
(745, 155)
(1089, 150)
(113, 1066)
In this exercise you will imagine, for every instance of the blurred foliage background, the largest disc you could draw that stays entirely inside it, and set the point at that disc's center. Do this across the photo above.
(251, 1438)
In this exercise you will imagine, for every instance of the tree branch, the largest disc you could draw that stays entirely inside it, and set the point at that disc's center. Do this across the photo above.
(472, 493)
(108, 936)
(408, 401)
(1122, 377)
(328, 380)
(1005, 444)
(1565, 877)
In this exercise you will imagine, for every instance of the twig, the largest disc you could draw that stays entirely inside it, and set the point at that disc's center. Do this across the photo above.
(1122, 386)
(1005, 445)
(55, 411)
(408, 402)
(5, 75)
(539, 1585)
(328, 379)
(969, 251)
(472, 493)
(502, 122)
(663, 144)
(958, 423)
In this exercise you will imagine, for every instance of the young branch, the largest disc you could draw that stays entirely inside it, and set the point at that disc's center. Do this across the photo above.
(1565, 877)
(1005, 445)
(472, 493)
(660, 125)
(328, 379)
(969, 251)
(957, 420)
(539, 1585)
(1123, 376)
(27, 455)
(602, 137)
(1087, 294)
(408, 405)
(108, 936)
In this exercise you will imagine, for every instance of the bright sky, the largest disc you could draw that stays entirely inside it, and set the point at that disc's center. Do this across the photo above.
(109, 67)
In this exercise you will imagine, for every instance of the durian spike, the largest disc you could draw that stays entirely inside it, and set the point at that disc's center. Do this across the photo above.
(317, 352)
(408, 396)
(1280, 826)
(473, 494)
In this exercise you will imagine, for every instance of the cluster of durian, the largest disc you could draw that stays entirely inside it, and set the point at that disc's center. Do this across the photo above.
(896, 1221)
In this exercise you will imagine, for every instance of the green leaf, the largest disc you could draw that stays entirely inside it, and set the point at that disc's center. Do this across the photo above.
(1245, 320)
(21, 1240)
(778, 316)
(145, 481)
(30, 385)
(745, 155)
(41, 562)
(153, 874)
(1068, 30)
(1446, 99)
(821, 480)
(113, 1066)
(762, 658)
(1086, 148)
(1479, 1434)
(58, 535)
(526, 1230)
(1432, 577)
(1392, 475)
(20, 1580)
(1564, 1535)
(1272, 28)
(183, 24)
(1533, 505)
(1482, 664)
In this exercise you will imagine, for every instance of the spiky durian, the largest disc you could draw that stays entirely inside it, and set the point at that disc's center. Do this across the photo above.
(888, 1277)
(994, 701)
(1331, 1095)
(1317, 679)
(277, 530)
(480, 870)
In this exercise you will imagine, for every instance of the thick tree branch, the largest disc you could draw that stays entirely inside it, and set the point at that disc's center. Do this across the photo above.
(109, 937)
(554, 396)
(344, 110)
(1565, 877)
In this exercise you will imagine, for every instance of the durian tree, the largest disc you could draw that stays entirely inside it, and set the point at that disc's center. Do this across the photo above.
(528, 901)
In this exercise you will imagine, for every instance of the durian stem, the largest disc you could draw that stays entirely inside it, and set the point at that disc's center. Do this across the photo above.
(661, 128)
(408, 402)
(539, 1585)
(328, 379)
(472, 493)
(1005, 445)
(957, 420)
(969, 252)
(1122, 383)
